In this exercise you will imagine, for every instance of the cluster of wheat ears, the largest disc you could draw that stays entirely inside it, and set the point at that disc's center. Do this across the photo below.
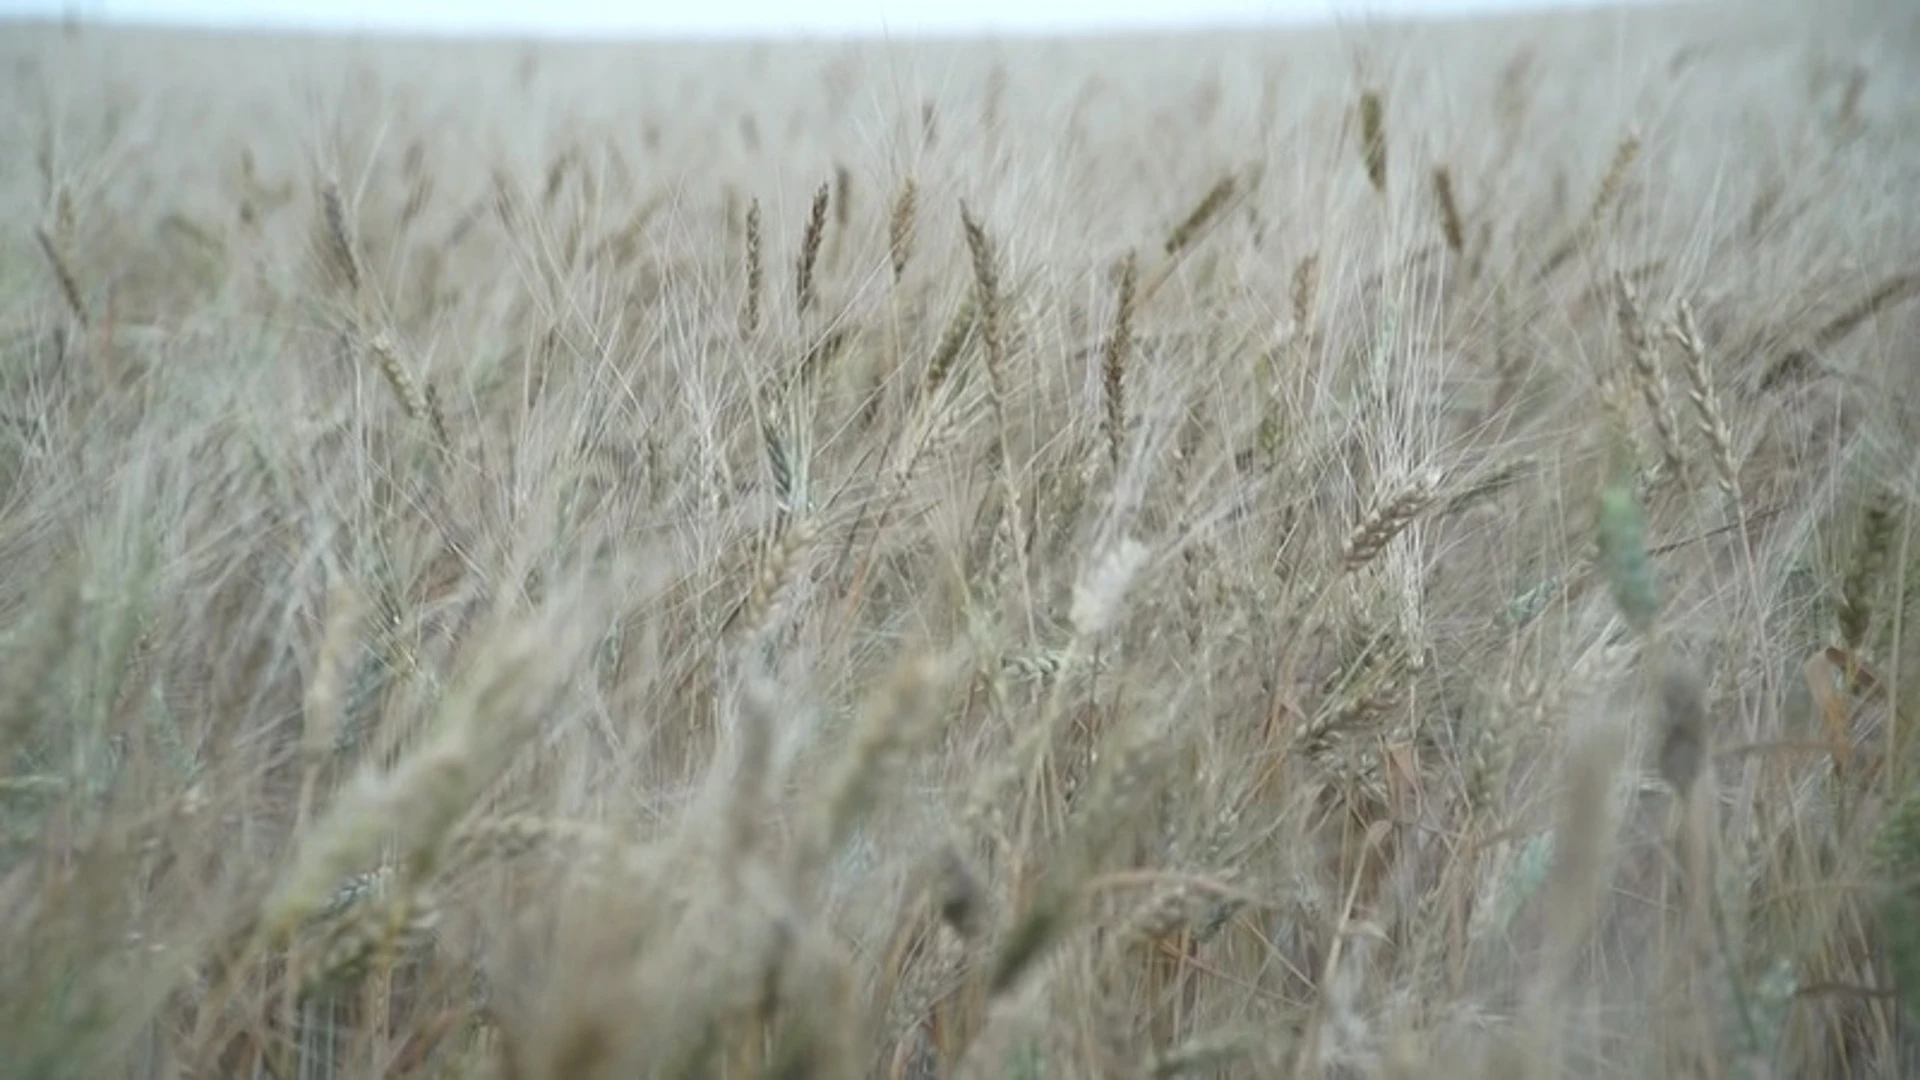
(1367, 552)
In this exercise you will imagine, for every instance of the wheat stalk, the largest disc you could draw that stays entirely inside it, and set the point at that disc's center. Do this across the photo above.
(342, 250)
(1373, 140)
(1203, 213)
(1611, 184)
(1706, 405)
(1114, 359)
(1451, 225)
(804, 290)
(756, 274)
(1388, 520)
(1643, 350)
(406, 391)
(900, 227)
(63, 274)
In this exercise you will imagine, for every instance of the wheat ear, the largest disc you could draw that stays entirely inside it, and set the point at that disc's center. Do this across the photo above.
(1706, 405)
(1114, 359)
(804, 290)
(756, 273)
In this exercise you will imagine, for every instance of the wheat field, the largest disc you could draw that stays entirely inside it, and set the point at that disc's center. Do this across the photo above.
(1370, 551)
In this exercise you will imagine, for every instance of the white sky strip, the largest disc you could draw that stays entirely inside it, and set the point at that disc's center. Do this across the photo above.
(730, 18)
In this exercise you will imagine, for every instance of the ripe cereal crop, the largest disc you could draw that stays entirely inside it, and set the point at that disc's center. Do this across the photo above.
(1370, 551)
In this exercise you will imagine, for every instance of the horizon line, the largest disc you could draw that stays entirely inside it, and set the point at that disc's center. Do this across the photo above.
(257, 23)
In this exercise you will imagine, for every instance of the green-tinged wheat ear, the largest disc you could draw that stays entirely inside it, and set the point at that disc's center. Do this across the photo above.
(1623, 555)
(786, 472)
(900, 227)
(804, 290)
(1373, 139)
(1114, 360)
(32, 667)
(755, 271)
(1865, 568)
(1451, 225)
(1897, 854)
